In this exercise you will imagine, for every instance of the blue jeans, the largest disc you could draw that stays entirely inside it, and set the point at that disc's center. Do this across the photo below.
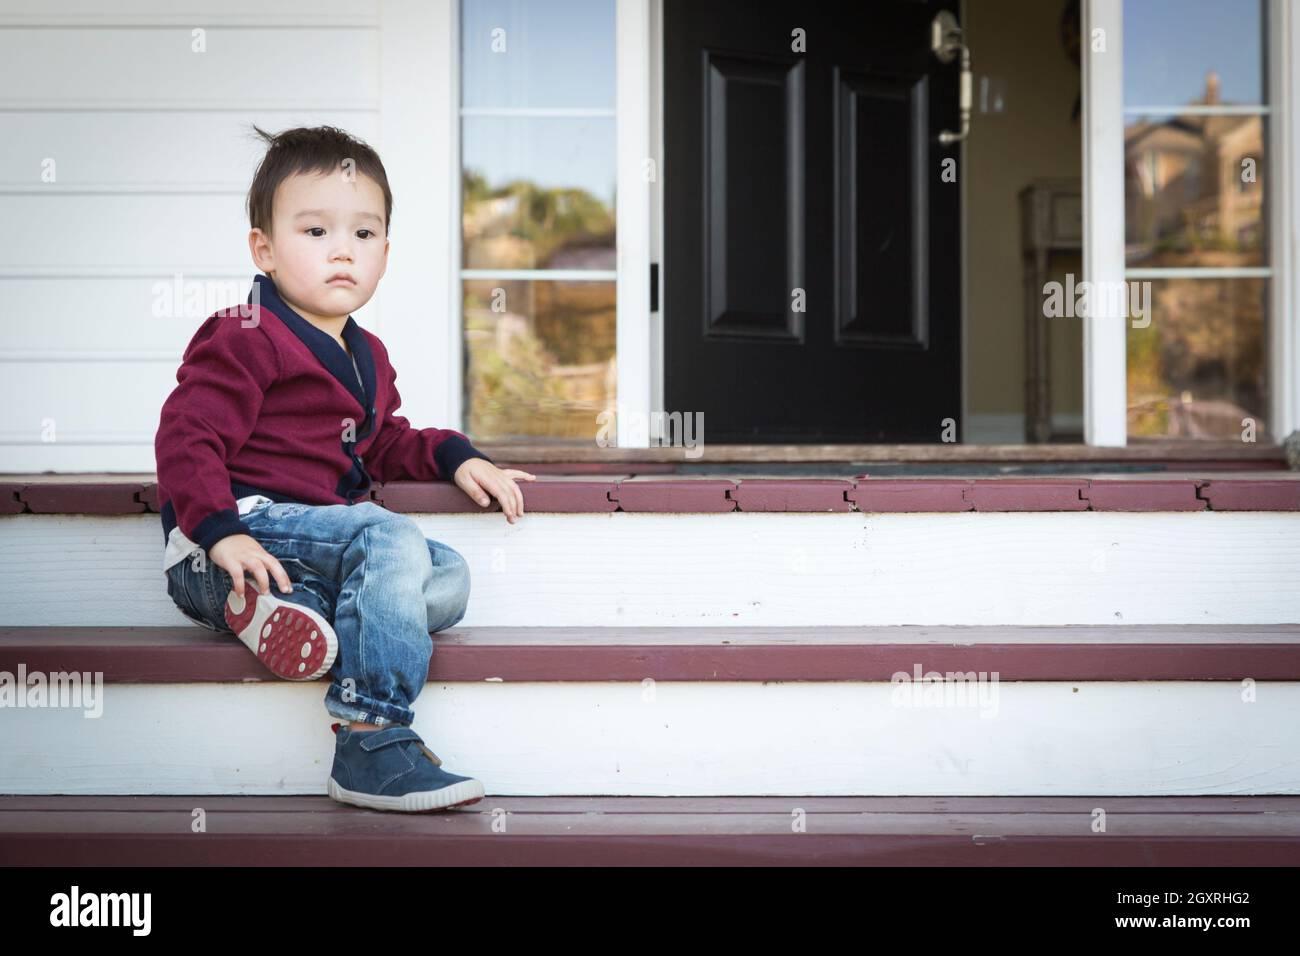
(368, 571)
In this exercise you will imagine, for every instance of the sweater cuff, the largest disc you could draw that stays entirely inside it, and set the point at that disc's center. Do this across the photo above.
(453, 452)
(218, 525)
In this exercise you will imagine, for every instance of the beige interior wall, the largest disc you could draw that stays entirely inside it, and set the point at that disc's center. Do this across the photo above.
(1018, 42)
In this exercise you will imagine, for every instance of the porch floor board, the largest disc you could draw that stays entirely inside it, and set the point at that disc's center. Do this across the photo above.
(192, 654)
(599, 830)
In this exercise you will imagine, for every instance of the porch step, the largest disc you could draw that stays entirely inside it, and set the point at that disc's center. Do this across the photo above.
(682, 711)
(716, 636)
(569, 831)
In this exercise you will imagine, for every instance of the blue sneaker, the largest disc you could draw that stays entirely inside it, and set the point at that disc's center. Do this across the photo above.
(392, 769)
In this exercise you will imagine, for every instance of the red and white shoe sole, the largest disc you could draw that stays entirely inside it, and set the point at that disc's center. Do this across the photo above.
(293, 642)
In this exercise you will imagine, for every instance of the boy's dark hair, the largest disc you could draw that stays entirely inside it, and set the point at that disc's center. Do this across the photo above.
(315, 149)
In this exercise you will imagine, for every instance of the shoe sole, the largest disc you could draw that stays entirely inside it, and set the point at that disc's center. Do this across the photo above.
(292, 642)
(455, 795)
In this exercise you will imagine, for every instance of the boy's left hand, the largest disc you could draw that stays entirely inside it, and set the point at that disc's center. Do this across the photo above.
(478, 478)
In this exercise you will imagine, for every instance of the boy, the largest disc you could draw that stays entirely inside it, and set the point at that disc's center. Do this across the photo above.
(284, 414)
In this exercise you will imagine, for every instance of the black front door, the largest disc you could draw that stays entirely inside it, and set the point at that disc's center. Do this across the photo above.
(811, 236)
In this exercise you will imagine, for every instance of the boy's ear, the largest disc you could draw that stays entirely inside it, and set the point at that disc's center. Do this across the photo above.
(259, 244)
(384, 268)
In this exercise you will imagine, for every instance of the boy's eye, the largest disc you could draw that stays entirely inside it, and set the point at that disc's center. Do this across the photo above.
(368, 233)
(316, 231)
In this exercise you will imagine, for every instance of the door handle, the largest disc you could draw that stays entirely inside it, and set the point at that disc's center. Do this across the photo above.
(946, 43)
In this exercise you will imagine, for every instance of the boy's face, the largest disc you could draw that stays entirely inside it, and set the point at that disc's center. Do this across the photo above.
(323, 226)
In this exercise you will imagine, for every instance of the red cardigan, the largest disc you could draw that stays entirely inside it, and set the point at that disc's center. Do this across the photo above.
(266, 403)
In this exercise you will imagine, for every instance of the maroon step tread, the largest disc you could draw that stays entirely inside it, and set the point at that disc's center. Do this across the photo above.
(783, 494)
(678, 495)
(1256, 495)
(1068, 653)
(898, 831)
(1153, 495)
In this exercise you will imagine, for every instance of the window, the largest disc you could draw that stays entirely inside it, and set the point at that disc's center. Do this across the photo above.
(538, 173)
(1196, 109)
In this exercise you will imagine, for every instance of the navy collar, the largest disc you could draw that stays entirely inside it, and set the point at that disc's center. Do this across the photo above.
(325, 348)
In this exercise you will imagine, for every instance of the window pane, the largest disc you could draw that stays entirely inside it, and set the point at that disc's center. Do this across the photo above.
(540, 358)
(538, 192)
(531, 53)
(1193, 51)
(1194, 187)
(1198, 369)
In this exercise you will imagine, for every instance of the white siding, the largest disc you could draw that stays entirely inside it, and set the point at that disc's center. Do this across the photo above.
(153, 156)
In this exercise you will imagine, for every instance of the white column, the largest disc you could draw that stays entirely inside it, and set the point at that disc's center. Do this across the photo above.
(419, 125)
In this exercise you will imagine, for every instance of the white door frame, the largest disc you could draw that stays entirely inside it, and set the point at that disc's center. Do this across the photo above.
(639, 175)
(639, 209)
(423, 101)
(1284, 201)
(1105, 387)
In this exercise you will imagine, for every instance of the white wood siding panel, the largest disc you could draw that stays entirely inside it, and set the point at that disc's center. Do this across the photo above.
(139, 68)
(154, 155)
(144, 150)
(188, 12)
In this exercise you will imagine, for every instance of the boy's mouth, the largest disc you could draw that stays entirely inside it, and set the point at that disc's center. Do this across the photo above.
(340, 279)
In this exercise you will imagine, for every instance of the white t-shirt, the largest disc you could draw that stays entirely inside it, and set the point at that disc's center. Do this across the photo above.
(179, 547)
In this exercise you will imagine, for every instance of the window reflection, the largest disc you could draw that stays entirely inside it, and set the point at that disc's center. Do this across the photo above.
(538, 175)
(540, 358)
(1195, 191)
(538, 193)
(1196, 222)
(1199, 368)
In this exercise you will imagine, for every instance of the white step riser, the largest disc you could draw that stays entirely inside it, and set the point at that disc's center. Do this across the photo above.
(1046, 738)
(749, 569)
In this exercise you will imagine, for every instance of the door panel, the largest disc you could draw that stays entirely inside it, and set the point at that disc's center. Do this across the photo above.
(811, 261)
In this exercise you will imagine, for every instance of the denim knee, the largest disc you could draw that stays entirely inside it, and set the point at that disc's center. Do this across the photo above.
(449, 595)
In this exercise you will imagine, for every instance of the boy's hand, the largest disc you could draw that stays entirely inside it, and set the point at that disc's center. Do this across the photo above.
(236, 553)
(478, 478)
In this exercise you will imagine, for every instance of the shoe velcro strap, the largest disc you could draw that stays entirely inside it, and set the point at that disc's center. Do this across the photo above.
(390, 735)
